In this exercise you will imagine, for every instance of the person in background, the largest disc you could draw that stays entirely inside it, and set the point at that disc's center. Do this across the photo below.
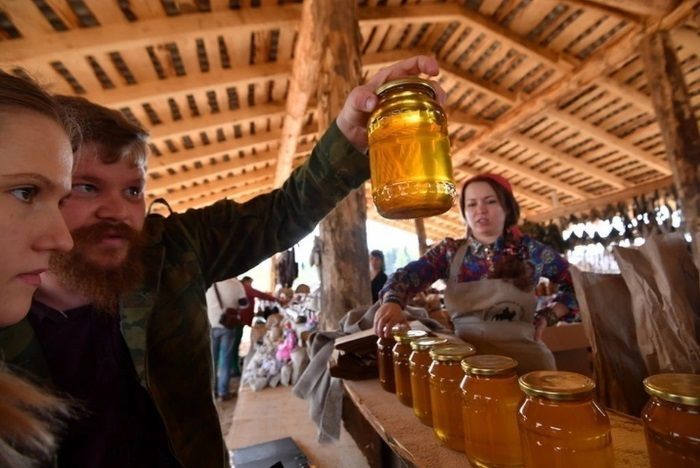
(227, 294)
(120, 321)
(376, 267)
(36, 156)
(491, 276)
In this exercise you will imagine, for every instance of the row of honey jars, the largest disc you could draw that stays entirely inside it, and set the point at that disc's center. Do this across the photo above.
(560, 424)
(671, 420)
(385, 363)
(419, 363)
(401, 354)
(445, 396)
(490, 400)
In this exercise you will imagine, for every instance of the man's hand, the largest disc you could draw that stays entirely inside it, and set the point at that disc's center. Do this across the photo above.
(352, 119)
(387, 316)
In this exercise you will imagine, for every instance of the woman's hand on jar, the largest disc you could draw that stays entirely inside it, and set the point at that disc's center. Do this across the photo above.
(353, 117)
(387, 315)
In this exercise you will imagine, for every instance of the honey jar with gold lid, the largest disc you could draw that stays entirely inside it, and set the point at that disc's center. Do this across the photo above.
(560, 424)
(402, 373)
(419, 362)
(490, 400)
(445, 396)
(671, 420)
(409, 151)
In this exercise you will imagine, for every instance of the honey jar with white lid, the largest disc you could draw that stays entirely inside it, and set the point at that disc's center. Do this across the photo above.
(409, 151)
(419, 363)
(445, 396)
(490, 400)
(671, 420)
(560, 424)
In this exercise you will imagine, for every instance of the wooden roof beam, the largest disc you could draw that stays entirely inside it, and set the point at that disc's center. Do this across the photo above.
(603, 200)
(193, 83)
(302, 85)
(203, 153)
(210, 171)
(240, 195)
(628, 93)
(120, 36)
(634, 7)
(544, 179)
(568, 160)
(192, 126)
(623, 146)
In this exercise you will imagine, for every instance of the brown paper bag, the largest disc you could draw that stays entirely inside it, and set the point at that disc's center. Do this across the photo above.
(663, 284)
(606, 312)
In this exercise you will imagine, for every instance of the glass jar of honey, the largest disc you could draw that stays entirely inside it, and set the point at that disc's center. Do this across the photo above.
(402, 373)
(385, 363)
(671, 420)
(409, 151)
(419, 362)
(490, 400)
(445, 396)
(560, 424)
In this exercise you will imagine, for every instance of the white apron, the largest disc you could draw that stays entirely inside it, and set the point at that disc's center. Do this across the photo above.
(496, 317)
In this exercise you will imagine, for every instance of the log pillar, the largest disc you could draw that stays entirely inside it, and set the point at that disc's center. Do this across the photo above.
(678, 125)
(420, 232)
(345, 281)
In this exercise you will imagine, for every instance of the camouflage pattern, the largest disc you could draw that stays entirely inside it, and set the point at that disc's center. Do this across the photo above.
(165, 322)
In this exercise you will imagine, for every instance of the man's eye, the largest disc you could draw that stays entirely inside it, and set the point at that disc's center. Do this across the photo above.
(84, 188)
(25, 194)
(134, 192)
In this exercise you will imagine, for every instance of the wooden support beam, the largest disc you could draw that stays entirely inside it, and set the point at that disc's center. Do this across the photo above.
(616, 143)
(634, 7)
(111, 37)
(568, 160)
(303, 83)
(602, 201)
(231, 183)
(485, 87)
(210, 122)
(194, 83)
(544, 179)
(420, 235)
(629, 94)
(678, 123)
(232, 146)
(238, 195)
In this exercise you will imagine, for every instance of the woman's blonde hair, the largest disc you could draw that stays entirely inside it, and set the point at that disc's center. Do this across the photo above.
(28, 418)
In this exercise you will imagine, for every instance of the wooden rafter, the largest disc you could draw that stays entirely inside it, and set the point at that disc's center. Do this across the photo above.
(634, 7)
(240, 181)
(238, 195)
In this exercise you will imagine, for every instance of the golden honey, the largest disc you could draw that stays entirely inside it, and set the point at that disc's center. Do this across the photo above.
(402, 373)
(385, 363)
(490, 400)
(560, 424)
(419, 363)
(445, 396)
(409, 151)
(671, 420)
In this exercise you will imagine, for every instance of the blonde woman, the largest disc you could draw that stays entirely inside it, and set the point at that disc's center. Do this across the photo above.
(36, 156)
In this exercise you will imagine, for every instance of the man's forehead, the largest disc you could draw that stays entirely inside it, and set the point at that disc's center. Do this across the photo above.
(89, 163)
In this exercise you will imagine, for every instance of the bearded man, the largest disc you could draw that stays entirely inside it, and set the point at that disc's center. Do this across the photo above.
(120, 324)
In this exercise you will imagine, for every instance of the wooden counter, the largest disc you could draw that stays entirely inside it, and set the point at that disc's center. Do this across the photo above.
(416, 445)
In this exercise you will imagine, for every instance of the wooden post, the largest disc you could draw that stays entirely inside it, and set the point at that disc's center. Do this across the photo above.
(678, 126)
(420, 232)
(345, 279)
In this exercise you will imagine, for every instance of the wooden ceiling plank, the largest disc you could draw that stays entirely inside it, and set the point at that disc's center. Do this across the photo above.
(106, 11)
(64, 12)
(236, 194)
(196, 83)
(637, 8)
(211, 121)
(573, 162)
(148, 32)
(603, 200)
(611, 140)
(481, 85)
(27, 19)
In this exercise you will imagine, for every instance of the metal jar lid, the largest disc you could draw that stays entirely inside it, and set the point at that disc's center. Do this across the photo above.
(425, 343)
(676, 388)
(556, 385)
(488, 364)
(452, 352)
(424, 85)
(409, 335)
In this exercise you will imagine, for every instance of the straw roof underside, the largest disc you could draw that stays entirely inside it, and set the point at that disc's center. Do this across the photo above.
(551, 94)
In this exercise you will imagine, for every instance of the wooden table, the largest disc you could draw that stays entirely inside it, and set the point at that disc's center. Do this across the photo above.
(416, 445)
